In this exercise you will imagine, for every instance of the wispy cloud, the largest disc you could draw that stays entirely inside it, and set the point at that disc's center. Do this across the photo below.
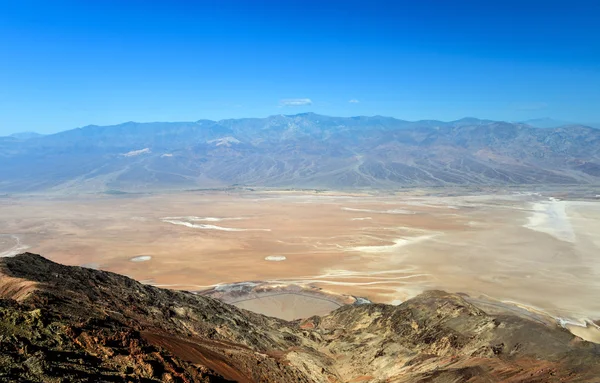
(295, 102)
(354, 101)
(529, 106)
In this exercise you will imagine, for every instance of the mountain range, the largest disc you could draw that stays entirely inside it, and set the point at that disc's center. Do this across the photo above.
(548, 122)
(72, 324)
(304, 150)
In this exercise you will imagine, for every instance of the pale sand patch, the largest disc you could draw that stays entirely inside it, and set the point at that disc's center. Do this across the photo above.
(141, 258)
(281, 300)
(14, 244)
(204, 219)
(589, 332)
(208, 227)
(358, 278)
(398, 243)
(550, 217)
(425, 204)
(288, 306)
(275, 258)
(391, 211)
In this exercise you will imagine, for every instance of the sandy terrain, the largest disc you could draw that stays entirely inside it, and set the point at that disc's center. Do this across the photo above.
(284, 301)
(519, 247)
(293, 306)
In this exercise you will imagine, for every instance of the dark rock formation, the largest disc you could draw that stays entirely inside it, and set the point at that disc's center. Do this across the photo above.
(71, 324)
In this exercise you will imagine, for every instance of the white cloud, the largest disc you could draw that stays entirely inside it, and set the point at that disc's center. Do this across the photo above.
(295, 102)
(354, 101)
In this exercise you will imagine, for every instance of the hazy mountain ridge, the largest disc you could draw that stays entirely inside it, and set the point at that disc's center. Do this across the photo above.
(71, 324)
(25, 135)
(547, 122)
(304, 150)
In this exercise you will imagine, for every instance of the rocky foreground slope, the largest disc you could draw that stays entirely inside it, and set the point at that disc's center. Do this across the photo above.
(70, 324)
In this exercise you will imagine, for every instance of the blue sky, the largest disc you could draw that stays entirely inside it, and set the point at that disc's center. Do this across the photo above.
(66, 64)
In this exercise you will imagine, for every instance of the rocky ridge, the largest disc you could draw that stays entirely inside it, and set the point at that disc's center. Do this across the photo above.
(71, 324)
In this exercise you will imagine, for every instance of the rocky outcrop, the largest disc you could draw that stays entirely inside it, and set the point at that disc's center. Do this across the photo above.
(71, 324)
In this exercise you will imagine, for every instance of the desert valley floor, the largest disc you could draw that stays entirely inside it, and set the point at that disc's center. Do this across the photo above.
(533, 249)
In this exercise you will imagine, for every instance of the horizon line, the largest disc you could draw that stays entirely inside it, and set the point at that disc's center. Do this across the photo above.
(525, 122)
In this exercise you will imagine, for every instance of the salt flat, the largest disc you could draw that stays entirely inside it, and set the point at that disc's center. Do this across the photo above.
(10, 245)
(529, 248)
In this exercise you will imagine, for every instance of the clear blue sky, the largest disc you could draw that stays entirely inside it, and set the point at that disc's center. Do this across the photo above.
(65, 64)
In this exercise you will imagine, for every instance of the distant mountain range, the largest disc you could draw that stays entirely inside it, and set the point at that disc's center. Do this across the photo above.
(304, 150)
(552, 123)
(25, 135)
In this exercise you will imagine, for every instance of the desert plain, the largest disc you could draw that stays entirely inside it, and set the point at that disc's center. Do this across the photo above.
(536, 250)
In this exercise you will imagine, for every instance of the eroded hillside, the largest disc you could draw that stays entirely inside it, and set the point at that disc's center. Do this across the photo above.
(68, 324)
